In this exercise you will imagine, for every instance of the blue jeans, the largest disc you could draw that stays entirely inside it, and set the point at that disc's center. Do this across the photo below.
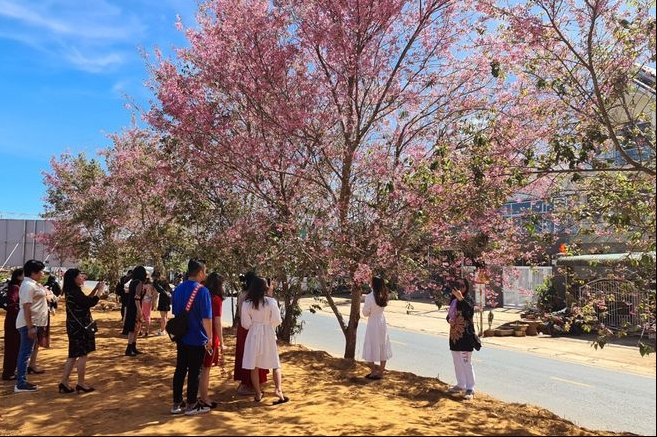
(24, 355)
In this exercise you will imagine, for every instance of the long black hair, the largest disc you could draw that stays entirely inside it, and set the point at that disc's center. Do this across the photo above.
(14, 277)
(139, 274)
(69, 281)
(215, 283)
(463, 282)
(256, 291)
(380, 290)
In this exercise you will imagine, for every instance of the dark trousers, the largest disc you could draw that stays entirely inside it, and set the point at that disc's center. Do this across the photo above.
(188, 363)
(12, 343)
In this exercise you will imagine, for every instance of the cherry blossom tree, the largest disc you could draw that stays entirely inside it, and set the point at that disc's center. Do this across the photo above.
(596, 60)
(82, 213)
(389, 121)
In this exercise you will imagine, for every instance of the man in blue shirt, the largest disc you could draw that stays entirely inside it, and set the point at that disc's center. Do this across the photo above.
(196, 342)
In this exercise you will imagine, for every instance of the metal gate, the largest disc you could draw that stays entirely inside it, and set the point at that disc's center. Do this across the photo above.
(520, 282)
(618, 301)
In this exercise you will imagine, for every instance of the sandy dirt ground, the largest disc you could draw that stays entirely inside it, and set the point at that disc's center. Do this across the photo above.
(328, 396)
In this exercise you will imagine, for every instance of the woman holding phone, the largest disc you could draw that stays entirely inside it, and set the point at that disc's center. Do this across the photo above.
(459, 317)
(81, 339)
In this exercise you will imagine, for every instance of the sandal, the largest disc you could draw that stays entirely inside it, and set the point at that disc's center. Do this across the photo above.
(282, 400)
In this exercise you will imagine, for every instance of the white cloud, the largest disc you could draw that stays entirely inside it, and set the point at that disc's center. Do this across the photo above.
(93, 64)
(91, 35)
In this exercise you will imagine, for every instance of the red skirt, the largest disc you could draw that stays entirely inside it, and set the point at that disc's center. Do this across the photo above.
(240, 374)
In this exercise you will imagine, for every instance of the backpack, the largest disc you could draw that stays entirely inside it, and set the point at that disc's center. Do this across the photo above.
(4, 300)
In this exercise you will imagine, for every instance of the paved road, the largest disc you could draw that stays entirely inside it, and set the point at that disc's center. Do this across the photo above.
(593, 397)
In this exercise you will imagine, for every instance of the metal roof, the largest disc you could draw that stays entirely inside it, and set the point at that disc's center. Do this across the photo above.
(602, 258)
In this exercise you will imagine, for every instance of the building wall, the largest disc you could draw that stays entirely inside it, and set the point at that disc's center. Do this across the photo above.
(17, 244)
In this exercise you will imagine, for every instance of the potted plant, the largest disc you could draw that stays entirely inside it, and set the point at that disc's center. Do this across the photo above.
(519, 329)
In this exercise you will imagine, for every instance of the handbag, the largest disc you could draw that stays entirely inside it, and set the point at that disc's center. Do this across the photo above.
(91, 328)
(177, 325)
(475, 341)
(43, 336)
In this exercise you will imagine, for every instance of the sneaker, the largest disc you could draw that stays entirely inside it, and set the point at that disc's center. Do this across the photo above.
(178, 407)
(469, 394)
(199, 408)
(27, 387)
(455, 389)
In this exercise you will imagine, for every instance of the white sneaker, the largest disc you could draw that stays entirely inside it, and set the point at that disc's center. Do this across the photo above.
(455, 389)
(199, 408)
(26, 388)
(178, 408)
(469, 394)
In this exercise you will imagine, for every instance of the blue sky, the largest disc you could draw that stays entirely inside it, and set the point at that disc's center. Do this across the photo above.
(66, 67)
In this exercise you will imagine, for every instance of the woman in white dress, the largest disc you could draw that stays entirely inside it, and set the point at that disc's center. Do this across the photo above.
(260, 315)
(376, 346)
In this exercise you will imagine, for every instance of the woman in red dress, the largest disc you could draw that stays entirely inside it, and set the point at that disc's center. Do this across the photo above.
(244, 375)
(12, 336)
(215, 283)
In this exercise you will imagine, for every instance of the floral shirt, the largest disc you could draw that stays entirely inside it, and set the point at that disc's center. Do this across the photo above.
(461, 326)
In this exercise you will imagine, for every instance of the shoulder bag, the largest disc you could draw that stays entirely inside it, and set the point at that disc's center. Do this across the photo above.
(177, 326)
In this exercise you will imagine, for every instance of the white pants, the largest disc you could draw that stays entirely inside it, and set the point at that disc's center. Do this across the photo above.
(465, 377)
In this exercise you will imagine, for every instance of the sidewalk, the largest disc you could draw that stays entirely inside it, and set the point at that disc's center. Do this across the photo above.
(426, 317)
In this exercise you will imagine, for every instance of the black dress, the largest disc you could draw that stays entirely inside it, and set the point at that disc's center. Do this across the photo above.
(131, 308)
(78, 306)
(164, 303)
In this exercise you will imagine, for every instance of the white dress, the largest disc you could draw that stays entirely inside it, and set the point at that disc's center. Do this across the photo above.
(260, 349)
(376, 346)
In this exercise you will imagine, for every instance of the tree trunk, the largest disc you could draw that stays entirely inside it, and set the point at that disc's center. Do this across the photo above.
(350, 333)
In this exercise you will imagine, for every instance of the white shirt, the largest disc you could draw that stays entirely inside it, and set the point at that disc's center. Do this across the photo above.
(36, 294)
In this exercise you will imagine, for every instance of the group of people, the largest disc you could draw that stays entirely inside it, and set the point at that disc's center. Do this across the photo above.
(139, 294)
(200, 297)
(27, 325)
(376, 345)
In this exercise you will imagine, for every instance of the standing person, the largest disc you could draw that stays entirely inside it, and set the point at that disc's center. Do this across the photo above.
(376, 346)
(240, 374)
(33, 313)
(459, 316)
(121, 291)
(53, 285)
(81, 341)
(196, 343)
(12, 338)
(260, 315)
(215, 283)
(133, 316)
(147, 299)
(43, 333)
(162, 287)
